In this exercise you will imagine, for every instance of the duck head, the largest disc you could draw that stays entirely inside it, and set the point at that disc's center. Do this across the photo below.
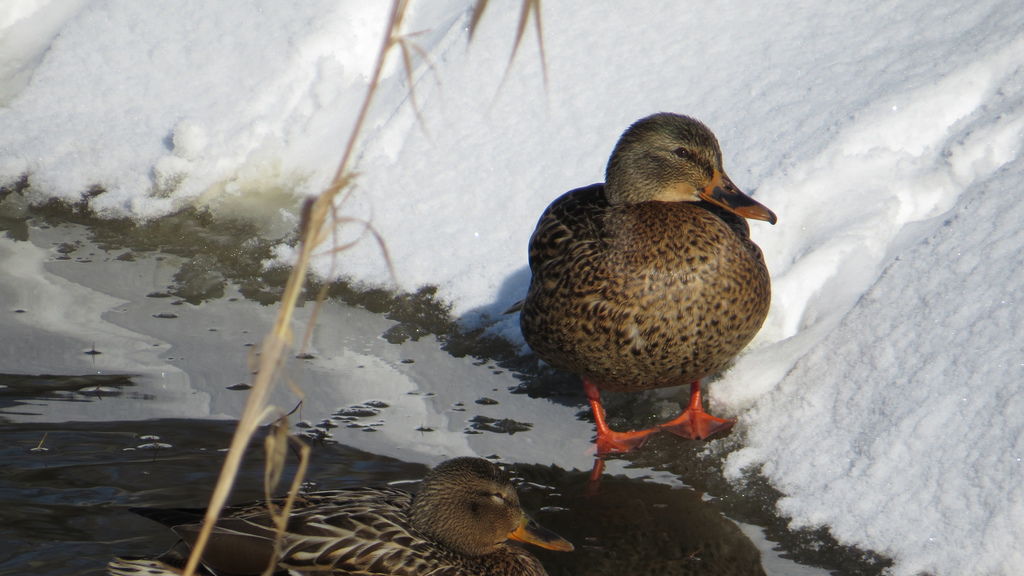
(470, 506)
(673, 158)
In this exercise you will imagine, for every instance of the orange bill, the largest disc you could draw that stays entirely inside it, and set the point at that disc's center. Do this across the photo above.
(532, 533)
(722, 192)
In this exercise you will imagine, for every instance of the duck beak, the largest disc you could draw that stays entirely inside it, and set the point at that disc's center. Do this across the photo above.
(722, 192)
(532, 533)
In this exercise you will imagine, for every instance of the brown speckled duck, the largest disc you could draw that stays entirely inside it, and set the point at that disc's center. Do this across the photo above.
(456, 525)
(649, 280)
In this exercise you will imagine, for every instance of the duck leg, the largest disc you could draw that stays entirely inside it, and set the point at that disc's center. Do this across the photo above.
(694, 423)
(609, 441)
(593, 487)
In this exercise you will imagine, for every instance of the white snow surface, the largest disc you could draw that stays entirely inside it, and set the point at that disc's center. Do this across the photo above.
(884, 396)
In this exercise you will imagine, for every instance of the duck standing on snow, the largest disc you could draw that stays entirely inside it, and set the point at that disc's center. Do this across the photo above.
(649, 280)
(457, 525)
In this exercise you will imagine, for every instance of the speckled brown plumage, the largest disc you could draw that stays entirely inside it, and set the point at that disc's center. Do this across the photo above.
(644, 282)
(643, 295)
(456, 526)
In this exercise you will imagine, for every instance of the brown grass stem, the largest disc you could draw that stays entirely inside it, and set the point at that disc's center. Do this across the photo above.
(279, 340)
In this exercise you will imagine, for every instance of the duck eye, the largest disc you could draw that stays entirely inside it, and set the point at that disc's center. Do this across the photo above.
(496, 497)
(683, 153)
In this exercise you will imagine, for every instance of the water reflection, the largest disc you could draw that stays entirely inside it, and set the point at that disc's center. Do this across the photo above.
(629, 526)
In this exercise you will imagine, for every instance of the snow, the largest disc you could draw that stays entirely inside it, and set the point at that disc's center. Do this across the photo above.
(882, 397)
(940, 432)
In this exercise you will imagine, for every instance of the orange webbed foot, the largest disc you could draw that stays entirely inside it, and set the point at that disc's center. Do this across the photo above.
(697, 425)
(609, 441)
(612, 442)
(694, 423)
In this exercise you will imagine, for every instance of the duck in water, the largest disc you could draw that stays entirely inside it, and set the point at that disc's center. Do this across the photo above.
(457, 524)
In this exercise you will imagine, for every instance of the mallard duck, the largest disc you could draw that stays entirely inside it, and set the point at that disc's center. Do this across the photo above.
(649, 280)
(456, 525)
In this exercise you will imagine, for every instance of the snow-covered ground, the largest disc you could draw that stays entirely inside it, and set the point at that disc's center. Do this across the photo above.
(884, 394)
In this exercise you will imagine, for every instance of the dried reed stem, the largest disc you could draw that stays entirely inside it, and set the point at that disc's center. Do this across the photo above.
(277, 343)
(319, 222)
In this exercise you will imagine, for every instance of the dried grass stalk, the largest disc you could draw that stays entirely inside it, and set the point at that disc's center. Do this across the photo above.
(319, 217)
(320, 222)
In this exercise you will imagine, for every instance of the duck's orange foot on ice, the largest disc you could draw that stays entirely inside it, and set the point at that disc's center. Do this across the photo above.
(611, 442)
(694, 423)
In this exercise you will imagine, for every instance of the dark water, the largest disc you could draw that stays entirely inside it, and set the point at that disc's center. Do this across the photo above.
(78, 448)
(65, 491)
(65, 507)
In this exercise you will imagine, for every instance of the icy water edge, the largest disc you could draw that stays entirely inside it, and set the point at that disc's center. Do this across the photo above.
(126, 352)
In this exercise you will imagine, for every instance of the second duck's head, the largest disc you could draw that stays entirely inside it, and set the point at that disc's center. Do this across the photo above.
(470, 506)
(673, 158)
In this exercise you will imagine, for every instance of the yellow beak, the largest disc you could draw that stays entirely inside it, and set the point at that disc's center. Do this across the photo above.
(532, 533)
